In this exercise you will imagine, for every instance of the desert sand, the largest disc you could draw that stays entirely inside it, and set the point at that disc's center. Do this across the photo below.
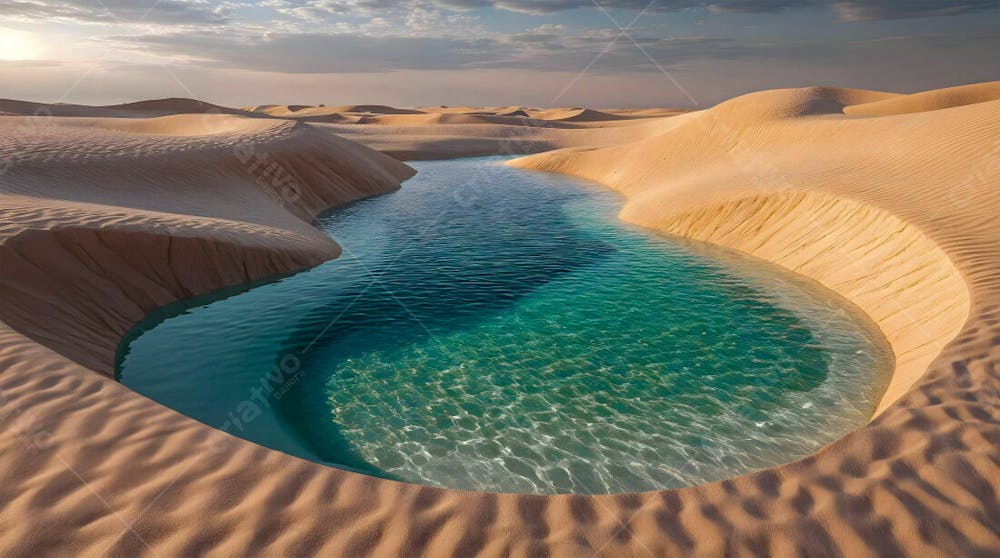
(109, 213)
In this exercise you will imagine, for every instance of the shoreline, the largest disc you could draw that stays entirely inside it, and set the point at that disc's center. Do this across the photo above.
(921, 477)
(897, 273)
(787, 291)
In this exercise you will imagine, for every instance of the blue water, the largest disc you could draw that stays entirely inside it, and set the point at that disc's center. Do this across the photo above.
(495, 329)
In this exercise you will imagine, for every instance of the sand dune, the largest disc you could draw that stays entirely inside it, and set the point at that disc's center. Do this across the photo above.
(790, 103)
(238, 190)
(258, 108)
(421, 119)
(375, 109)
(898, 214)
(176, 124)
(929, 100)
(646, 112)
(436, 119)
(513, 112)
(278, 110)
(140, 109)
(748, 154)
(408, 134)
(467, 109)
(466, 132)
(574, 115)
(104, 220)
(410, 142)
(305, 113)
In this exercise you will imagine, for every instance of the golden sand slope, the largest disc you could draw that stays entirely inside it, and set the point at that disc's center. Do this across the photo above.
(773, 173)
(108, 219)
(575, 115)
(97, 221)
(929, 100)
(304, 113)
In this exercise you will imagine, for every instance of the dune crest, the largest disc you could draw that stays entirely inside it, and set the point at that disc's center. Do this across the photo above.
(924, 101)
(139, 109)
(375, 109)
(575, 115)
(102, 210)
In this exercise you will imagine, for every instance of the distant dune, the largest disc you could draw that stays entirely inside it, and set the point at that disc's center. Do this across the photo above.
(375, 109)
(575, 115)
(515, 112)
(111, 212)
(140, 109)
(929, 100)
(421, 119)
(646, 112)
(790, 103)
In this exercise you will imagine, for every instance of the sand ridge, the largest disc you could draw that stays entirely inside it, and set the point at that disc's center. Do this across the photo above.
(127, 215)
(98, 198)
(139, 109)
(928, 100)
(446, 132)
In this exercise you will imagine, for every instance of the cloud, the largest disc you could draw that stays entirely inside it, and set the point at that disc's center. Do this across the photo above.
(884, 9)
(545, 48)
(853, 10)
(115, 11)
(319, 52)
(553, 6)
(31, 64)
(207, 12)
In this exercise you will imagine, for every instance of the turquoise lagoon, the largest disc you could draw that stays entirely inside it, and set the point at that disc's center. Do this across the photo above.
(496, 329)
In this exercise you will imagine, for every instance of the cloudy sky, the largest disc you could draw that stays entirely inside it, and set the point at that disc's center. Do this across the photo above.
(605, 53)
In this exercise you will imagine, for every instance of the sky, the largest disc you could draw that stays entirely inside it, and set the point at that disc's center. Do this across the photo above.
(597, 53)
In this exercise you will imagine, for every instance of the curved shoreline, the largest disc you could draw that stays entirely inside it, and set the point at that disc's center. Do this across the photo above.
(102, 470)
(885, 266)
(897, 275)
(507, 215)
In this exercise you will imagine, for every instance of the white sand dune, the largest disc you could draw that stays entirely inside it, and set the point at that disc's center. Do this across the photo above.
(105, 219)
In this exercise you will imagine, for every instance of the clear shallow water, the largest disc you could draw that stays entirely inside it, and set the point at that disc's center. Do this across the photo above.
(495, 329)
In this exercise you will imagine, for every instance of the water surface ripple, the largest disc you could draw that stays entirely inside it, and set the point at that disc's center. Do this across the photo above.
(490, 328)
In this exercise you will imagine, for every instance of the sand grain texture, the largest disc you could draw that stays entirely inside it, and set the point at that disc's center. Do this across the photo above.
(104, 221)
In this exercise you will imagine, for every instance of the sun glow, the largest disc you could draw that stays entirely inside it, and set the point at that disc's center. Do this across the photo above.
(17, 45)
